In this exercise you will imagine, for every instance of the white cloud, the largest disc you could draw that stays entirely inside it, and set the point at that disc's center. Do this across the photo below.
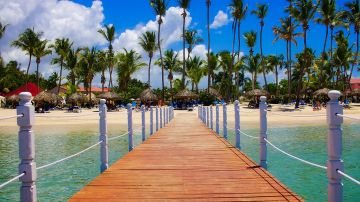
(221, 19)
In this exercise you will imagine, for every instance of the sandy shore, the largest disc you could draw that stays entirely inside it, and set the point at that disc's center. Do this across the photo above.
(88, 120)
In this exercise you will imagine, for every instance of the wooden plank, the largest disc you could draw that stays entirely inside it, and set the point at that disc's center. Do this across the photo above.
(185, 161)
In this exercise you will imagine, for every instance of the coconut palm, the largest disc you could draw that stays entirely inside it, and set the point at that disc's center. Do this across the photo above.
(192, 39)
(2, 29)
(184, 4)
(286, 32)
(148, 43)
(239, 10)
(327, 11)
(212, 66)
(352, 16)
(89, 62)
(208, 3)
(250, 39)
(261, 12)
(27, 42)
(239, 68)
(253, 67)
(195, 71)
(61, 47)
(128, 62)
(102, 61)
(40, 51)
(71, 64)
(109, 34)
(159, 7)
(171, 64)
(303, 11)
(276, 62)
(195, 62)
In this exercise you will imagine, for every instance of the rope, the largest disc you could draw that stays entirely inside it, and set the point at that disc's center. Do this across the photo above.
(80, 115)
(349, 117)
(10, 117)
(279, 114)
(348, 177)
(294, 157)
(69, 157)
(253, 137)
(113, 138)
(11, 180)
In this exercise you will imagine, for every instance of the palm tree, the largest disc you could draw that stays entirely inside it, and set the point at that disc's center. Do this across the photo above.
(90, 62)
(352, 16)
(171, 64)
(208, 3)
(2, 29)
(276, 63)
(250, 39)
(71, 64)
(27, 42)
(160, 10)
(195, 71)
(239, 10)
(192, 39)
(253, 67)
(109, 34)
(194, 62)
(147, 42)
(239, 68)
(184, 4)
(61, 47)
(102, 61)
(261, 13)
(286, 31)
(212, 66)
(327, 10)
(40, 51)
(128, 63)
(303, 11)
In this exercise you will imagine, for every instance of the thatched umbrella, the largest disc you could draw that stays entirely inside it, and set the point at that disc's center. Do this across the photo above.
(44, 97)
(323, 91)
(256, 92)
(355, 91)
(186, 94)
(93, 98)
(13, 98)
(75, 97)
(214, 92)
(148, 95)
(109, 96)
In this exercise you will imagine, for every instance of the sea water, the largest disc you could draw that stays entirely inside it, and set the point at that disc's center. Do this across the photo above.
(61, 181)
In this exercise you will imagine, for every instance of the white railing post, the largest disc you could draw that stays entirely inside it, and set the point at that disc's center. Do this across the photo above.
(166, 115)
(130, 128)
(334, 147)
(263, 130)
(225, 122)
(211, 118)
(143, 124)
(161, 121)
(151, 120)
(208, 116)
(199, 108)
(217, 127)
(157, 118)
(104, 150)
(27, 148)
(237, 124)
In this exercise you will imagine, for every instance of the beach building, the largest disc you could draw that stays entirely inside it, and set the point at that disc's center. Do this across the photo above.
(355, 83)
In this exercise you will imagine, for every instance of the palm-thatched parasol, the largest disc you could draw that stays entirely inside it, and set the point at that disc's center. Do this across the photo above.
(186, 94)
(148, 95)
(93, 98)
(214, 92)
(13, 98)
(44, 97)
(355, 91)
(323, 91)
(256, 92)
(109, 96)
(75, 97)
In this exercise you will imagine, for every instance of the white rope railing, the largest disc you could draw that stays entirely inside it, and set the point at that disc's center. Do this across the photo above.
(67, 116)
(11, 117)
(348, 177)
(69, 157)
(294, 157)
(117, 137)
(250, 136)
(11, 180)
(290, 115)
(349, 117)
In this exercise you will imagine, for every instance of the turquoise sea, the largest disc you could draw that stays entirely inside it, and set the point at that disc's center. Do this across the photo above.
(61, 181)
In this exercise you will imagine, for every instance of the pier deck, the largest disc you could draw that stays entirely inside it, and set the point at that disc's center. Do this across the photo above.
(185, 161)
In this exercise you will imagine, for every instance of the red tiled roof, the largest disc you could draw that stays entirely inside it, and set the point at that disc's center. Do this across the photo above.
(93, 89)
(29, 87)
(355, 80)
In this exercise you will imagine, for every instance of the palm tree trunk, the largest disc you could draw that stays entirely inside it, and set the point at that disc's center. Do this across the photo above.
(262, 56)
(299, 87)
(277, 81)
(323, 56)
(239, 40)
(27, 72)
(90, 93)
(149, 71)
(208, 41)
(102, 80)
(288, 57)
(161, 60)
(37, 76)
(171, 90)
(61, 66)
(355, 60)
(184, 63)
(232, 58)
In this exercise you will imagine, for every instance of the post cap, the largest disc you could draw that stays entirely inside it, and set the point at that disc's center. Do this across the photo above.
(236, 102)
(129, 106)
(263, 98)
(102, 101)
(25, 97)
(334, 94)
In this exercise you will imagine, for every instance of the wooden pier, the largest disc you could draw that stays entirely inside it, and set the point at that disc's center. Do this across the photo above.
(185, 161)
